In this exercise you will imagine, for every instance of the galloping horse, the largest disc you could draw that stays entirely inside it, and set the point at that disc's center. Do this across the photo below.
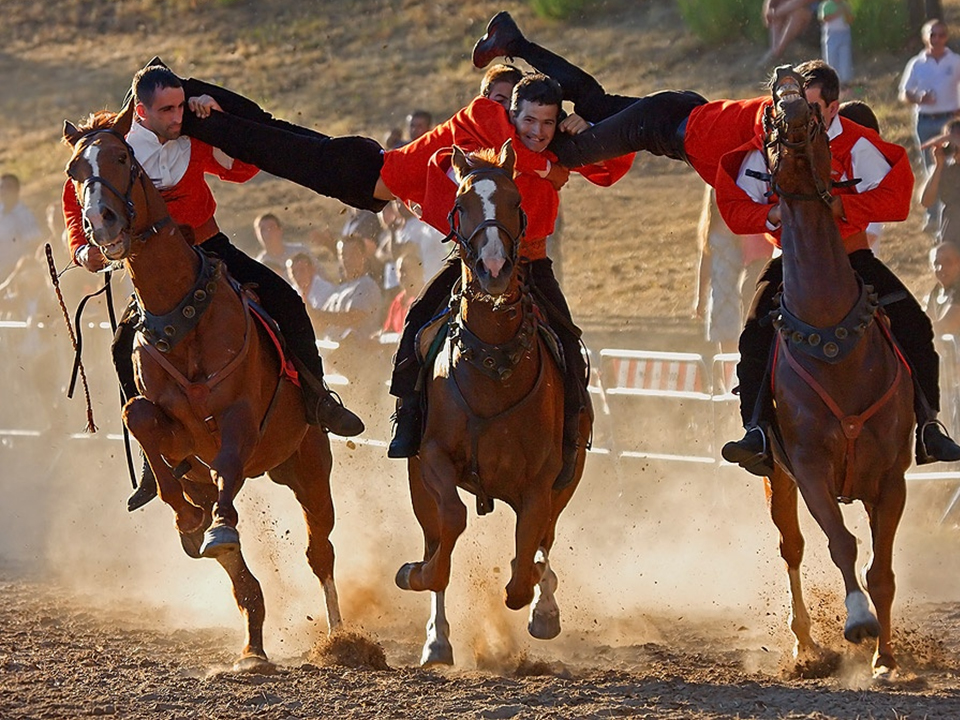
(494, 415)
(213, 396)
(844, 401)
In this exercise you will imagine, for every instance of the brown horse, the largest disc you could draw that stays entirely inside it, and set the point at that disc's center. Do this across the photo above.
(494, 415)
(212, 393)
(843, 396)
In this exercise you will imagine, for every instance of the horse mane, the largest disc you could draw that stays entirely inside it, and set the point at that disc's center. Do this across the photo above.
(99, 120)
(485, 157)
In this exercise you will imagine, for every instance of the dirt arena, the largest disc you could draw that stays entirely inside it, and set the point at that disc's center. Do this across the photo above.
(673, 597)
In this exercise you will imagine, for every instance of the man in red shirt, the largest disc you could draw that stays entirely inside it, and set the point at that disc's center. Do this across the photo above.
(417, 174)
(177, 165)
(714, 137)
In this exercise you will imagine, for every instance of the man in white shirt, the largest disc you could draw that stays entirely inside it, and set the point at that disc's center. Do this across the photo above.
(19, 231)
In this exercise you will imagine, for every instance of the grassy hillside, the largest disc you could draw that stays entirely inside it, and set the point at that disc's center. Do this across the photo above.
(358, 66)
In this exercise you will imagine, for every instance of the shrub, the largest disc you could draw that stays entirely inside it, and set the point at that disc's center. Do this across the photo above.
(557, 9)
(721, 21)
(879, 24)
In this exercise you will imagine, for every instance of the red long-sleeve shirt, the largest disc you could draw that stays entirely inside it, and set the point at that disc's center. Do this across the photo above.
(417, 173)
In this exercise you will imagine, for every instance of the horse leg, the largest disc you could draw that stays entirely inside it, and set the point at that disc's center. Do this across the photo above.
(544, 622)
(238, 437)
(880, 580)
(159, 435)
(861, 622)
(249, 597)
(782, 502)
(437, 649)
(437, 474)
(533, 521)
(307, 474)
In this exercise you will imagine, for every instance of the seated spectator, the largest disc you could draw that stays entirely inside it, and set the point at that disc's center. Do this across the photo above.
(941, 305)
(352, 312)
(410, 274)
(412, 232)
(275, 250)
(943, 183)
(308, 282)
(393, 138)
(19, 231)
(365, 225)
(786, 20)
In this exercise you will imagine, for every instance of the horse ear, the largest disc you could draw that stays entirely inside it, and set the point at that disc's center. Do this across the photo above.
(70, 133)
(121, 124)
(460, 164)
(508, 156)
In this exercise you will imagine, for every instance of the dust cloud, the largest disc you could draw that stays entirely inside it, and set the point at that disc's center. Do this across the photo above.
(647, 551)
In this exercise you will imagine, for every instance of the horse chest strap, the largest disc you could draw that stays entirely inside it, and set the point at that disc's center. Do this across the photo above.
(165, 331)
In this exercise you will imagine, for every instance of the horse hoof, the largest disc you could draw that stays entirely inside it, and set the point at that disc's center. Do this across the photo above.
(219, 540)
(544, 625)
(863, 630)
(884, 674)
(436, 654)
(191, 543)
(403, 576)
(255, 664)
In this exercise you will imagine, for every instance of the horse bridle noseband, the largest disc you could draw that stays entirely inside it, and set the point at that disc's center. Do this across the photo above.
(464, 241)
(136, 175)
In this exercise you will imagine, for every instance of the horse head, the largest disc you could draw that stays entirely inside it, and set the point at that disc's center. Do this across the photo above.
(107, 178)
(796, 144)
(487, 221)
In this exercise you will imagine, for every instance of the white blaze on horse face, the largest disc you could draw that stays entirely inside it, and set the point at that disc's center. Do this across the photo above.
(491, 251)
(92, 194)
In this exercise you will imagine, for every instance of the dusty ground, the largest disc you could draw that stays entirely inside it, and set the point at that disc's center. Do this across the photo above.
(673, 597)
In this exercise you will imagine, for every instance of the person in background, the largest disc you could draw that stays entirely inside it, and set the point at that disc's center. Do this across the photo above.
(308, 282)
(275, 250)
(930, 83)
(942, 301)
(942, 185)
(410, 274)
(786, 20)
(836, 43)
(419, 122)
(19, 231)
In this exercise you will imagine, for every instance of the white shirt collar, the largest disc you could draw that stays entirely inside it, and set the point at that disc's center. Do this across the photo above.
(165, 163)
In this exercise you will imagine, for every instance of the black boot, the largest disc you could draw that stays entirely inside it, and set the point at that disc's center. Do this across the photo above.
(146, 490)
(934, 444)
(324, 408)
(751, 452)
(408, 430)
(571, 440)
(499, 41)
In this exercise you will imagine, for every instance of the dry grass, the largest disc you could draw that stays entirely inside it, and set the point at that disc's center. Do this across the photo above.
(358, 66)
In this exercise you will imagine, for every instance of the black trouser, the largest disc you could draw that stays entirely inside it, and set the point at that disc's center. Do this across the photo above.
(909, 324)
(276, 295)
(546, 290)
(344, 168)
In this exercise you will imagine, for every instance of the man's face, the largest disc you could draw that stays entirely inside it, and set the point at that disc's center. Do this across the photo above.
(418, 126)
(500, 92)
(270, 235)
(535, 124)
(164, 115)
(946, 266)
(351, 259)
(829, 112)
(9, 194)
(301, 272)
(936, 38)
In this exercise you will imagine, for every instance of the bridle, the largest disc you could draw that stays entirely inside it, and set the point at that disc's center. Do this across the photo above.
(136, 176)
(471, 256)
(776, 141)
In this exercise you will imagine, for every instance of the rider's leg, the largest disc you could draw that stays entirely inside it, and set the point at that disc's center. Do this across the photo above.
(752, 451)
(504, 39)
(914, 333)
(285, 306)
(344, 168)
(406, 361)
(550, 297)
(122, 352)
(653, 123)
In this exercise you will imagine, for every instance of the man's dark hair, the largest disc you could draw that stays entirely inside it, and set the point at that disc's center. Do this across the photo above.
(952, 126)
(11, 179)
(301, 257)
(149, 80)
(537, 88)
(268, 216)
(860, 113)
(497, 74)
(818, 74)
(422, 114)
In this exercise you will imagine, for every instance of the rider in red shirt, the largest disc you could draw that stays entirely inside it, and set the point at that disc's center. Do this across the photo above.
(713, 137)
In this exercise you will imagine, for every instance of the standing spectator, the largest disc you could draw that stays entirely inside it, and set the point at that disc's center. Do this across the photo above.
(352, 312)
(943, 184)
(308, 282)
(835, 39)
(786, 20)
(410, 273)
(419, 122)
(19, 231)
(941, 306)
(276, 251)
(930, 83)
